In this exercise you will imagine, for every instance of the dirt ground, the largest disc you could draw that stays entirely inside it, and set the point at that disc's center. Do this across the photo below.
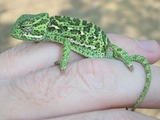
(137, 18)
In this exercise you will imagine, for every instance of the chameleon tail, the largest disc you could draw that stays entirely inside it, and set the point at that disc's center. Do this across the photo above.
(142, 60)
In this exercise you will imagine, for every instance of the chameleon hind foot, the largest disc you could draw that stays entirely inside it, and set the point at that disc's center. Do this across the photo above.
(131, 68)
(121, 55)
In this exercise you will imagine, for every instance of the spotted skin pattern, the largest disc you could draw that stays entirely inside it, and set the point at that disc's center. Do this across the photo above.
(78, 35)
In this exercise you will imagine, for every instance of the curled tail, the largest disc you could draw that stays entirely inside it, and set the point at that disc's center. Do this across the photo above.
(142, 60)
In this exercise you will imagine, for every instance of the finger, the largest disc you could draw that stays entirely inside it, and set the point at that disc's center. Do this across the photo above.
(106, 115)
(86, 86)
(29, 57)
(147, 48)
(122, 81)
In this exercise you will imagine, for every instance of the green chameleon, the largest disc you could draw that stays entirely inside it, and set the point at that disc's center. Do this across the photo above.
(78, 35)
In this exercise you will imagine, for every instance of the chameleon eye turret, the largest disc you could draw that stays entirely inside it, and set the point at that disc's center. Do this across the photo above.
(80, 36)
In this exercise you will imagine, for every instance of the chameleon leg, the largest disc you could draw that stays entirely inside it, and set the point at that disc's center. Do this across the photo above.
(142, 60)
(122, 55)
(65, 56)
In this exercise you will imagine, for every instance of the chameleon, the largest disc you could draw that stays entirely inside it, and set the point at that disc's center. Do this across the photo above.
(77, 35)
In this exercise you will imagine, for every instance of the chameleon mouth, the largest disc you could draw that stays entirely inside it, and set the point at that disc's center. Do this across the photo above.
(25, 36)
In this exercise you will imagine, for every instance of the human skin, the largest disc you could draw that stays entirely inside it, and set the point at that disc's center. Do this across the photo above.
(32, 87)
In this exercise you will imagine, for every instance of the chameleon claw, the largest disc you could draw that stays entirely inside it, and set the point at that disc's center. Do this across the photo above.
(63, 71)
(131, 68)
(36, 42)
(131, 109)
(56, 63)
(61, 68)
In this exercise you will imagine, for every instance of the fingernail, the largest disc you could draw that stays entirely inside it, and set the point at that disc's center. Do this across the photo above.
(147, 45)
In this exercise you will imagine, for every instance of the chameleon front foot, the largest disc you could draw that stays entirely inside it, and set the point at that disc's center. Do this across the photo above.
(62, 65)
(132, 109)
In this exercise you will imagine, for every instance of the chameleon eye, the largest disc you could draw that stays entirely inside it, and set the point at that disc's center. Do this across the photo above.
(23, 27)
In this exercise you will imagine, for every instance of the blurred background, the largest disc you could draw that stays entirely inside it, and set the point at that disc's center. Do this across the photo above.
(135, 18)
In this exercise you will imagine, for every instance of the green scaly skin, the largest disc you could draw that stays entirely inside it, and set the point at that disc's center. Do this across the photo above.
(78, 35)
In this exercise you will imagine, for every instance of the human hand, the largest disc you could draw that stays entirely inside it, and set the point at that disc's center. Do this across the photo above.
(32, 88)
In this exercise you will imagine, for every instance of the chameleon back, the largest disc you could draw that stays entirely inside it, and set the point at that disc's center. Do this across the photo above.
(85, 37)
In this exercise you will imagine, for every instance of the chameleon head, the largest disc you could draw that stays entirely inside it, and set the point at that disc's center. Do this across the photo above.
(30, 27)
